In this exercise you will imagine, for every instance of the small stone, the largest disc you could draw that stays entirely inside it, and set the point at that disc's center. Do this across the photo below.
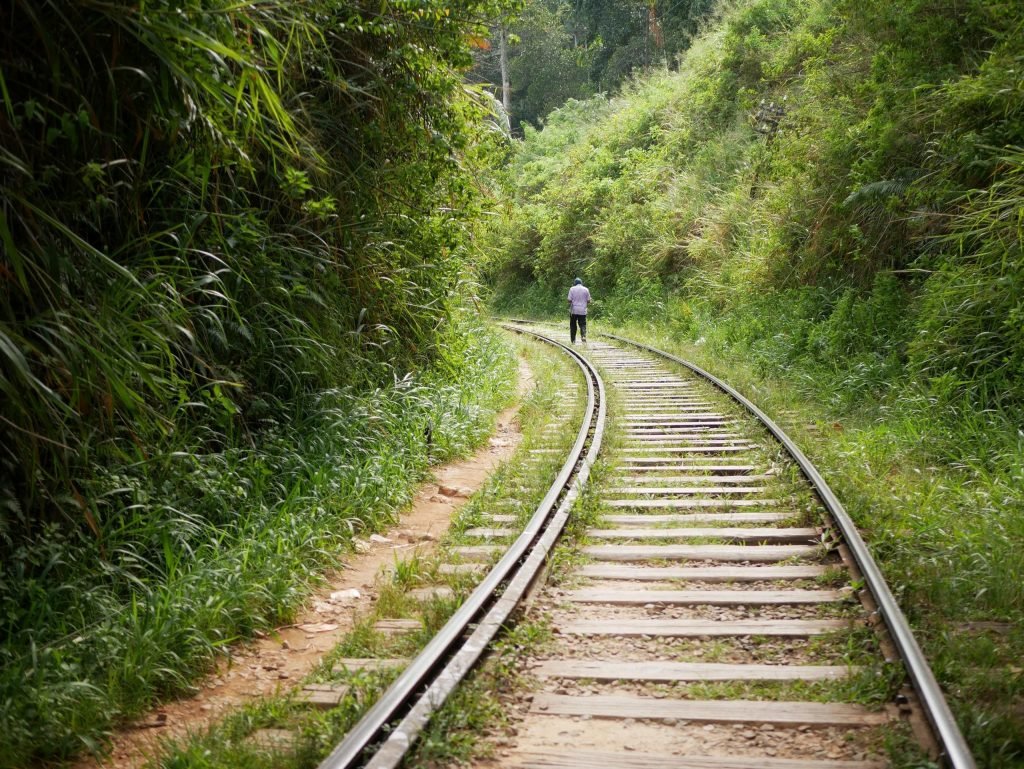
(748, 735)
(339, 596)
(285, 645)
(709, 728)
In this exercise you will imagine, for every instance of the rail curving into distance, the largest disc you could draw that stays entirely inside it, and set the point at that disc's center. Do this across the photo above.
(951, 740)
(384, 735)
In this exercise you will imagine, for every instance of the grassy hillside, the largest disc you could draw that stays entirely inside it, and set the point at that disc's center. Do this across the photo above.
(860, 263)
(892, 187)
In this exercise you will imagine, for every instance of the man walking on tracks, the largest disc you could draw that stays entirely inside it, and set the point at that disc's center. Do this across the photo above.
(579, 298)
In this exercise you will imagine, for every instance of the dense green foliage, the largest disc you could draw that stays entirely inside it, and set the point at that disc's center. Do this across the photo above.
(229, 232)
(869, 254)
(575, 48)
(207, 210)
(889, 197)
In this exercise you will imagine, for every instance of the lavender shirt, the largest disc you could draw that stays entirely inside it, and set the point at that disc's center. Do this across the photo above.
(579, 296)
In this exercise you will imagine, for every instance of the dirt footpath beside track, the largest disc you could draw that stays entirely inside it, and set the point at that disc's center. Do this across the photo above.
(283, 657)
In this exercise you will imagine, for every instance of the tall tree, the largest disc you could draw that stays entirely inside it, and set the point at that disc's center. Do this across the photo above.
(561, 49)
(506, 91)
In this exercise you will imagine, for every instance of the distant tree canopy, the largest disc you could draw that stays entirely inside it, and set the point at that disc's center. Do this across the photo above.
(564, 49)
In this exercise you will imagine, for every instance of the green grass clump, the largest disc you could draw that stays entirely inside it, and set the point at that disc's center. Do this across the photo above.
(454, 733)
(212, 547)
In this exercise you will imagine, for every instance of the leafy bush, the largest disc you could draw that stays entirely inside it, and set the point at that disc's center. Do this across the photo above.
(234, 236)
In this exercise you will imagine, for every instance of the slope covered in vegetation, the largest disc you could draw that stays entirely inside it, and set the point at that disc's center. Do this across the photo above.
(860, 244)
(234, 240)
(893, 181)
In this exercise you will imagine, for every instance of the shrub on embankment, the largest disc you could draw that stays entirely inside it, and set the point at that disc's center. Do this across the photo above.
(886, 205)
(229, 232)
(869, 254)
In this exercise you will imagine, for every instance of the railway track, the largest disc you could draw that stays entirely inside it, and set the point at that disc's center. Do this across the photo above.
(713, 623)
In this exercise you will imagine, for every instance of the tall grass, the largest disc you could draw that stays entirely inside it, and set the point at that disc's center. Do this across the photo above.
(209, 209)
(234, 239)
(209, 548)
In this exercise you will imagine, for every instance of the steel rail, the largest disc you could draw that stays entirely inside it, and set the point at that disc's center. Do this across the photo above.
(951, 740)
(433, 674)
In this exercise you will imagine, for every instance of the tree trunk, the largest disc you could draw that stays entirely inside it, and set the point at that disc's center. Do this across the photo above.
(506, 91)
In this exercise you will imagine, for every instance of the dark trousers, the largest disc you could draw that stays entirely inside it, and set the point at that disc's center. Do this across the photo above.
(574, 321)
